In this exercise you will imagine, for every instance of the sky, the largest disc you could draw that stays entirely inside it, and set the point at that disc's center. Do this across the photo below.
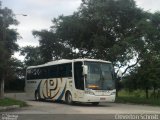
(41, 12)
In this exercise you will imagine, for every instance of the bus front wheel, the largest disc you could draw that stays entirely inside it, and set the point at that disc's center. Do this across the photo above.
(37, 96)
(68, 98)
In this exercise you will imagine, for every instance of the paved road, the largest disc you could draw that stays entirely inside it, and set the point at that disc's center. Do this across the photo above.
(51, 108)
(107, 108)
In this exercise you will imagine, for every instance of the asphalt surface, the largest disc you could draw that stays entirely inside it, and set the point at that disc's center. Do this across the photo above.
(44, 109)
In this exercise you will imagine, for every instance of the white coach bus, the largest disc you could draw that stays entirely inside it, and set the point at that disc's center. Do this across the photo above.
(77, 80)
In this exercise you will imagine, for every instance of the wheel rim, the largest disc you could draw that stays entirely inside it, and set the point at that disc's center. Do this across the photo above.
(37, 98)
(69, 98)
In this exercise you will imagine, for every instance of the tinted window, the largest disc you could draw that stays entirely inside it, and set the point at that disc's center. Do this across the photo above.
(65, 70)
(53, 71)
(43, 73)
(37, 73)
(62, 70)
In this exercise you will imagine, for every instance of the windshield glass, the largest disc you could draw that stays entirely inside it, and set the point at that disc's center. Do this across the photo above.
(100, 76)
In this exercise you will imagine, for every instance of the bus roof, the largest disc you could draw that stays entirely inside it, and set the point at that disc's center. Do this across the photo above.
(62, 61)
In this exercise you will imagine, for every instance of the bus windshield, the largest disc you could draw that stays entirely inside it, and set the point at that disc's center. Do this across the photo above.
(100, 76)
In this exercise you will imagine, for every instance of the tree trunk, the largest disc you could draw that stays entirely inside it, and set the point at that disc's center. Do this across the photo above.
(154, 92)
(116, 92)
(117, 87)
(2, 88)
(147, 92)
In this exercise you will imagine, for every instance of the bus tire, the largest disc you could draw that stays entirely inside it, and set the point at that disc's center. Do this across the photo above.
(95, 103)
(37, 96)
(68, 98)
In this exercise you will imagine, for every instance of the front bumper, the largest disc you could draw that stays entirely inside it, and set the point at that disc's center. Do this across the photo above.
(93, 98)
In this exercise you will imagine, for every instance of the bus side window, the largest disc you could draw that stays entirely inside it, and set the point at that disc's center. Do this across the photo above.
(78, 77)
(34, 73)
(61, 70)
(65, 70)
(53, 71)
(43, 73)
(69, 70)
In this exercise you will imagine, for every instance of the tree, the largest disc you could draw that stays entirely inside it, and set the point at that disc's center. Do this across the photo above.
(8, 38)
(51, 47)
(15, 75)
(32, 56)
(104, 29)
(145, 77)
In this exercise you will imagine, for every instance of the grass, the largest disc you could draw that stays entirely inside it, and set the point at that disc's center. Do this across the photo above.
(9, 102)
(136, 97)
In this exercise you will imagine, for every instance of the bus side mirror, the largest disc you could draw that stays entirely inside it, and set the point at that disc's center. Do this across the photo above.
(85, 69)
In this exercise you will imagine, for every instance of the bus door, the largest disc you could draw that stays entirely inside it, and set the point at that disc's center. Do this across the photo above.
(79, 80)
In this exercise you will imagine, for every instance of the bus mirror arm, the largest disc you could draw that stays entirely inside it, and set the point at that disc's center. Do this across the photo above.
(85, 69)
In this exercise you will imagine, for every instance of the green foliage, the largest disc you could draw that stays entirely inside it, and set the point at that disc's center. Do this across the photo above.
(32, 55)
(135, 93)
(15, 75)
(52, 48)
(137, 100)
(114, 30)
(147, 76)
(117, 31)
(136, 97)
(9, 102)
(102, 29)
(15, 69)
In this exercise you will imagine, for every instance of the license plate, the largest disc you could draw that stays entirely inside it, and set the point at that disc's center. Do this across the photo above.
(102, 98)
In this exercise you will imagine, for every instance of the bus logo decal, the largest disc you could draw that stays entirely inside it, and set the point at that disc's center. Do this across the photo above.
(60, 97)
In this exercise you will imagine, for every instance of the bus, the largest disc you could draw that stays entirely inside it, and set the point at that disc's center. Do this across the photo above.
(77, 80)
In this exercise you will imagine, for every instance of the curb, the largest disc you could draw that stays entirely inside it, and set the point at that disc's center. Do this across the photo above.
(9, 107)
